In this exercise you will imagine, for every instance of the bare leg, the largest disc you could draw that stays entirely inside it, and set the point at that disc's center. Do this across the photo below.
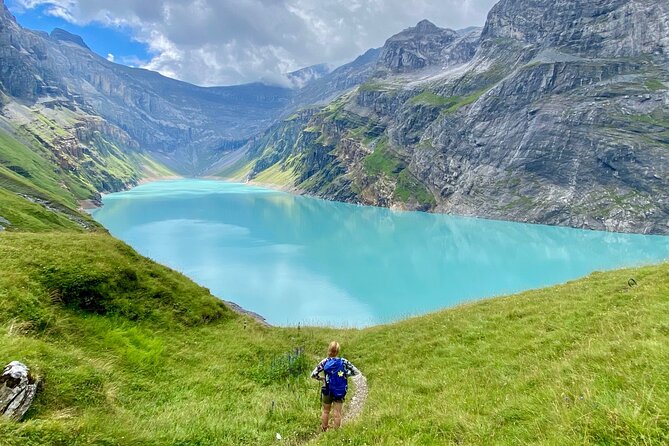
(337, 414)
(325, 417)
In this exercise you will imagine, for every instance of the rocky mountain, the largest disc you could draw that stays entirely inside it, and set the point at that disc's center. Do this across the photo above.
(557, 113)
(183, 125)
(328, 87)
(426, 45)
(554, 112)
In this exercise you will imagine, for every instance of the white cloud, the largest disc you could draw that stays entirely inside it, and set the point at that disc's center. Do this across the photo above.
(218, 42)
(110, 57)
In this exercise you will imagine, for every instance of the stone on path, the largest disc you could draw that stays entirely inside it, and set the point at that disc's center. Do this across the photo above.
(17, 391)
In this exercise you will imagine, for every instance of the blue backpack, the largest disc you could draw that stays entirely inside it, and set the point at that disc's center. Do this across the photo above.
(337, 382)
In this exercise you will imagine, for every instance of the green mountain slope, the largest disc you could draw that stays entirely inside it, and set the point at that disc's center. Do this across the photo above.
(55, 160)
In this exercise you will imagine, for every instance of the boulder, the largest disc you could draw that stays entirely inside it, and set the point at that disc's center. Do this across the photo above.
(17, 391)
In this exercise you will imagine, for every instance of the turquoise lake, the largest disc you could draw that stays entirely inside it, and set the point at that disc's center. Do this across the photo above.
(299, 260)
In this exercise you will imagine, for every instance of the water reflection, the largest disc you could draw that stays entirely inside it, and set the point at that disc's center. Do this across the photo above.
(296, 259)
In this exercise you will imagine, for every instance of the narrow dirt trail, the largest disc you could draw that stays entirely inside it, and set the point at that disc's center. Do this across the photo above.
(354, 408)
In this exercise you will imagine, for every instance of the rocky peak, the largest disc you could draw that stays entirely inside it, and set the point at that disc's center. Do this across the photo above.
(424, 29)
(422, 46)
(5, 14)
(591, 28)
(64, 36)
(425, 26)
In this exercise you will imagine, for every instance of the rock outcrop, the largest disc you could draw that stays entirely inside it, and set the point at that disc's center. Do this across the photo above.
(594, 28)
(17, 391)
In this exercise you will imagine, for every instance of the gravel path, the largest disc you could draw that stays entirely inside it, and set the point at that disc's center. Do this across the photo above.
(354, 408)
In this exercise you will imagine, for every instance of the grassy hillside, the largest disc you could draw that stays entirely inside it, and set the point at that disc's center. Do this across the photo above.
(50, 165)
(133, 353)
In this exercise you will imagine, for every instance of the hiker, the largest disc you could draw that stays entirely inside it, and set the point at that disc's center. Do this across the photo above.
(335, 384)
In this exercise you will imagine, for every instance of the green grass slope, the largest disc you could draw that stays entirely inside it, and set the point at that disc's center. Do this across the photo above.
(32, 196)
(582, 363)
(134, 353)
(47, 170)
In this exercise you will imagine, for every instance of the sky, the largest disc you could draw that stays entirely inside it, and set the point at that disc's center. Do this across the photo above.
(226, 42)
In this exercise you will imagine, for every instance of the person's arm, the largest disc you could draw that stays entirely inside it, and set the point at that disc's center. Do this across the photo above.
(316, 373)
(351, 370)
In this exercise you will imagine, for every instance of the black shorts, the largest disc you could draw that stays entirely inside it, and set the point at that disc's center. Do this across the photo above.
(327, 398)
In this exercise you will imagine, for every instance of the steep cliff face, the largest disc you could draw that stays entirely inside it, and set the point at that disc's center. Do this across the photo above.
(561, 117)
(184, 125)
(595, 28)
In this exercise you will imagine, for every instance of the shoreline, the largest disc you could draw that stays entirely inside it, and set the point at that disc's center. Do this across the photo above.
(90, 205)
(258, 317)
(152, 179)
(243, 311)
(277, 187)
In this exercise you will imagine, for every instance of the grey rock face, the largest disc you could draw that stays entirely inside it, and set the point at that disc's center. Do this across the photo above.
(423, 46)
(596, 28)
(561, 117)
(186, 126)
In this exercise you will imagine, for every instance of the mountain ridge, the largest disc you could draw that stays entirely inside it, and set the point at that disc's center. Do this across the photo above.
(183, 125)
(187, 127)
(553, 126)
(566, 101)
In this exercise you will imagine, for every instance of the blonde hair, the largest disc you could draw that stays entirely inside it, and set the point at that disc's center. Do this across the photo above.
(333, 349)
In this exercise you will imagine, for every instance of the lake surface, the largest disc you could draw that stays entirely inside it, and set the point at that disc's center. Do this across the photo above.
(302, 260)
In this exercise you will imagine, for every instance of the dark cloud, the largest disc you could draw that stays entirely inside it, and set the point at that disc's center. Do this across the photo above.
(218, 42)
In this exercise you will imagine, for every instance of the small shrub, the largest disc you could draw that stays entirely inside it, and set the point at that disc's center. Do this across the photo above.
(409, 188)
(79, 290)
(287, 366)
(383, 161)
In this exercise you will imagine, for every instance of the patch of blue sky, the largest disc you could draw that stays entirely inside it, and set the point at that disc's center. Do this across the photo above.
(101, 39)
